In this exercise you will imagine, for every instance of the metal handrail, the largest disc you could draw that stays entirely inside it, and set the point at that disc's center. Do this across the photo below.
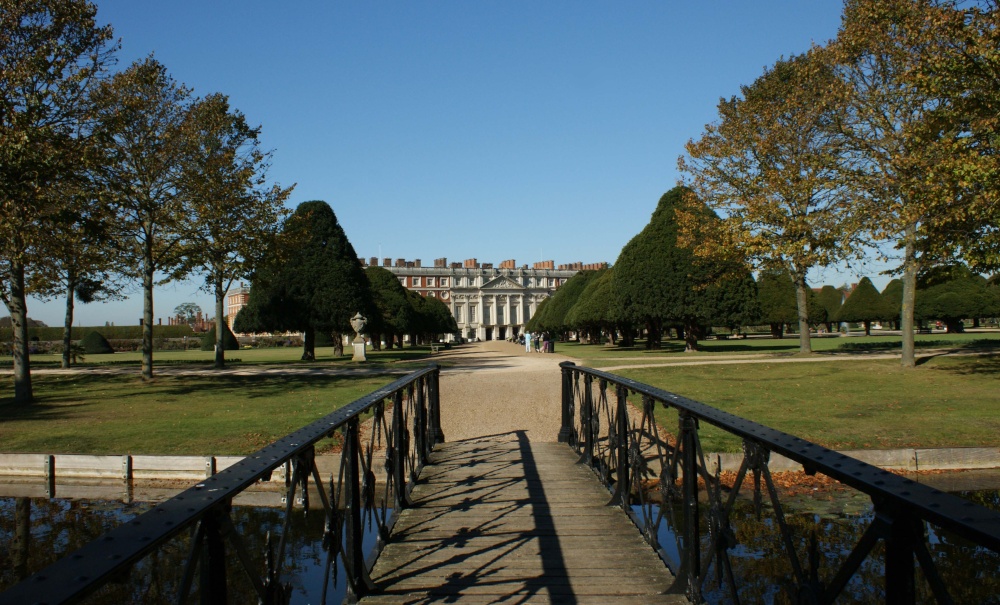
(204, 508)
(901, 504)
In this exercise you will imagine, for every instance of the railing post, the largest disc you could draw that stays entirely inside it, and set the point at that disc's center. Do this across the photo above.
(420, 424)
(399, 455)
(587, 413)
(566, 432)
(436, 434)
(900, 547)
(213, 561)
(691, 558)
(623, 477)
(359, 582)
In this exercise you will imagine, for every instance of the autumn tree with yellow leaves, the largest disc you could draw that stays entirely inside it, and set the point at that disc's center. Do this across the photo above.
(769, 168)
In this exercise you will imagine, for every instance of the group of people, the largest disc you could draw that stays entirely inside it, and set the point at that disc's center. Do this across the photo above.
(542, 342)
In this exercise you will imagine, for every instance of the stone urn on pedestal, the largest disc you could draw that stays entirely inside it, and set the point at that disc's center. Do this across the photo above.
(358, 323)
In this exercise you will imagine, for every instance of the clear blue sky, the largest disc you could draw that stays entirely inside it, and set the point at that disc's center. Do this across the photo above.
(461, 129)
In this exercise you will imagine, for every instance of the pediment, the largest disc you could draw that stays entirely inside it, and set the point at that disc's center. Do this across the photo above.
(502, 283)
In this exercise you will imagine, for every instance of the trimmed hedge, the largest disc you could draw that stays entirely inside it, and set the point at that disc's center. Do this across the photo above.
(109, 332)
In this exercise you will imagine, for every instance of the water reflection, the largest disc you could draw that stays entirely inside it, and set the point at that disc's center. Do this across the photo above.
(34, 532)
(764, 571)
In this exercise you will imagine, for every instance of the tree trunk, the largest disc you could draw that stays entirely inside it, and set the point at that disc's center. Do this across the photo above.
(309, 344)
(778, 331)
(68, 322)
(910, 266)
(868, 327)
(628, 336)
(802, 302)
(691, 338)
(338, 344)
(147, 319)
(654, 334)
(220, 325)
(18, 308)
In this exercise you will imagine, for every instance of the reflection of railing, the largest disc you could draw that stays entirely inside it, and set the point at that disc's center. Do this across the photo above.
(375, 436)
(664, 483)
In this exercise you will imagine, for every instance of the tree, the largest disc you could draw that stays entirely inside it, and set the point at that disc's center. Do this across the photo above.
(960, 62)
(187, 312)
(778, 301)
(592, 313)
(141, 113)
(432, 318)
(892, 295)
(52, 53)
(953, 293)
(891, 143)
(865, 305)
(395, 312)
(81, 260)
(830, 299)
(767, 167)
(659, 283)
(231, 218)
(313, 281)
(554, 317)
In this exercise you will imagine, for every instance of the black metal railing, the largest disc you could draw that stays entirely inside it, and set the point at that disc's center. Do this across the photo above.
(672, 495)
(386, 437)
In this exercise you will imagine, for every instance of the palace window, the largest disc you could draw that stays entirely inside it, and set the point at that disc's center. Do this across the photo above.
(430, 282)
(444, 282)
(472, 313)
(416, 281)
(458, 314)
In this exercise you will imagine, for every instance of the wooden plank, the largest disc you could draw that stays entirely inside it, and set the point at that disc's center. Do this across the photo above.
(513, 521)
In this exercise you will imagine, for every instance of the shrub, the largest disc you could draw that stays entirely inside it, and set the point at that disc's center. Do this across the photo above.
(229, 342)
(94, 343)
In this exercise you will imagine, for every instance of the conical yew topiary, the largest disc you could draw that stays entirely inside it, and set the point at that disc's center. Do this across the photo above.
(94, 343)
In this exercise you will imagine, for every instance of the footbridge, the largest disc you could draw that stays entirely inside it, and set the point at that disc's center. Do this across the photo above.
(622, 506)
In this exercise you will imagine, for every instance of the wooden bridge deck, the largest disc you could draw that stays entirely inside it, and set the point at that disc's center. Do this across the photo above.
(502, 520)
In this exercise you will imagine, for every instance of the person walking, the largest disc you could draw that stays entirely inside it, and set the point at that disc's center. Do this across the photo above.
(527, 342)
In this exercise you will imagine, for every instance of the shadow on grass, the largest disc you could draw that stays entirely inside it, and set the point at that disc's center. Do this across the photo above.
(60, 397)
(983, 365)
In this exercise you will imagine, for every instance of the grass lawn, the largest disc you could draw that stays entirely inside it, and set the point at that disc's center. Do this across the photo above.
(866, 404)
(275, 355)
(213, 415)
(598, 356)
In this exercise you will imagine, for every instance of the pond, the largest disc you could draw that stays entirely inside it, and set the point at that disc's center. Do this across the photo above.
(837, 521)
(58, 526)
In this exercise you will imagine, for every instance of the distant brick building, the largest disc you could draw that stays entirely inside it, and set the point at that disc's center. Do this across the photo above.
(236, 299)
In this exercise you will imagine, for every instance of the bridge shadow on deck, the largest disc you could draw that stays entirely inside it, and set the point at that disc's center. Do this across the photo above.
(499, 519)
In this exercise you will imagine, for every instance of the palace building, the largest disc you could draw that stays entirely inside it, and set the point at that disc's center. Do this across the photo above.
(488, 303)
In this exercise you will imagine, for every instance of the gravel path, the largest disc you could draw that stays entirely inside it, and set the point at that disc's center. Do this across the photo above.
(496, 387)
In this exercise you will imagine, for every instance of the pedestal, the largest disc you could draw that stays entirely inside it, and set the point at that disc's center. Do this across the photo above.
(359, 350)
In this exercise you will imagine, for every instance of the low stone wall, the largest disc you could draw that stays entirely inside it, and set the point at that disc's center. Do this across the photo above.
(905, 460)
(130, 468)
